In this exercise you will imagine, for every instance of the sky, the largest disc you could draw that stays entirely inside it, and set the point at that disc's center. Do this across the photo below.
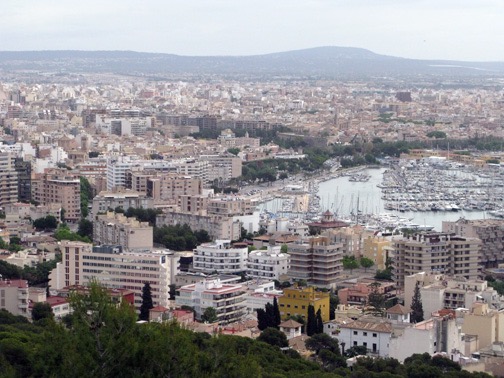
(470, 30)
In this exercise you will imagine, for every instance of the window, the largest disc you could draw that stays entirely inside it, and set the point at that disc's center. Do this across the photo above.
(355, 343)
(375, 335)
(355, 332)
(364, 333)
(364, 344)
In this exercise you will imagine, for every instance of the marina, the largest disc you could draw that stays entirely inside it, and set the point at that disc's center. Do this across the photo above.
(415, 195)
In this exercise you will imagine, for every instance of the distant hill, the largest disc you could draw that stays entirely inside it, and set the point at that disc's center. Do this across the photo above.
(319, 62)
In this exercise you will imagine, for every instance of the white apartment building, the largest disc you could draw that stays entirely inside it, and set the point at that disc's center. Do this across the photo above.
(14, 296)
(269, 264)
(259, 293)
(116, 269)
(116, 171)
(227, 299)
(123, 125)
(220, 256)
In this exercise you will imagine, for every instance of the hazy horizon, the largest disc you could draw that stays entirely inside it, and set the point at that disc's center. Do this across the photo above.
(425, 29)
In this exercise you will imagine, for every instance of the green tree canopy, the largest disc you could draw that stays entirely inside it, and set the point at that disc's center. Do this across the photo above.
(311, 322)
(376, 300)
(366, 263)
(274, 337)
(417, 314)
(48, 222)
(350, 263)
(146, 302)
(209, 315)
(42, 310)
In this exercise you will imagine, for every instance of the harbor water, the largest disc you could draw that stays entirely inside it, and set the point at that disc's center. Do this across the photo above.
(349, 200)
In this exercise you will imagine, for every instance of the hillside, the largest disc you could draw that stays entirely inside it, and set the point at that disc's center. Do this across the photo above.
(337, 62)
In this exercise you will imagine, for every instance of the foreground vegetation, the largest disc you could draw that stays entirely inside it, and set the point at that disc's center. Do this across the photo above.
(102, 339)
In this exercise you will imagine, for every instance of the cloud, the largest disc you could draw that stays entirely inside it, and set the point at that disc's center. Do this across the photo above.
(449, 29)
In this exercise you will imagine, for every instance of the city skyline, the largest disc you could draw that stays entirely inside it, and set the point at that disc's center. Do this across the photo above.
(450, 30)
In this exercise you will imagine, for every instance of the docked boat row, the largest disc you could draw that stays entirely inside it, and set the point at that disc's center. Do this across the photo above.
(441, 186)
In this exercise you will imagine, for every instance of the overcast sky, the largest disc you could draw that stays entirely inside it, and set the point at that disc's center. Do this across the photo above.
(430, 29)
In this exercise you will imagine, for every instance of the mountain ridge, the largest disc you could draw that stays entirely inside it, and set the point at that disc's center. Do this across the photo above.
(332, 61)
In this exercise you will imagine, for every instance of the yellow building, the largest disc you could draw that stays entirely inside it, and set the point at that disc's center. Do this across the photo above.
(295, 301)
(373, 248)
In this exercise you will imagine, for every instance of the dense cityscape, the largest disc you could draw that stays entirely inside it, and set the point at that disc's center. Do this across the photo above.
(194, 189)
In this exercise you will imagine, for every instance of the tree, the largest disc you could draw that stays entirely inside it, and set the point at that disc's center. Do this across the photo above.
(417, 314)
(350, 263)
(376, 300)
(262, 321)
(320, 322)
(384, 274)
(146, 302)
(46, 223)
(276, 313)
(311, 323)
(333, 304)
(436, 134)
(284, 248)
(173, 291)
(366, 263)
(85, 228)
(42, 310)
(322, 341)
(233, 150)
(209, 315)
(274, 337)
(356, 350)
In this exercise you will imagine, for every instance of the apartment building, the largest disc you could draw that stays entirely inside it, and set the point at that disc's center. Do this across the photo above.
(230, 206)
(58, 186)
(358, 293)
(8, 178)
(116, 268)
(122, 198)
(491, 233)
(439, 253)
(268, 264)
(374, 248)
(23, 169)
(227, 299)
(316, 260)
(220, 256)
(485, 323)
(440, 291)
(117, 229)
(350, 237)
(14, 296)
(123, 125)
(217, 227)
(222, 167)
(296, 300)
(171, 187)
